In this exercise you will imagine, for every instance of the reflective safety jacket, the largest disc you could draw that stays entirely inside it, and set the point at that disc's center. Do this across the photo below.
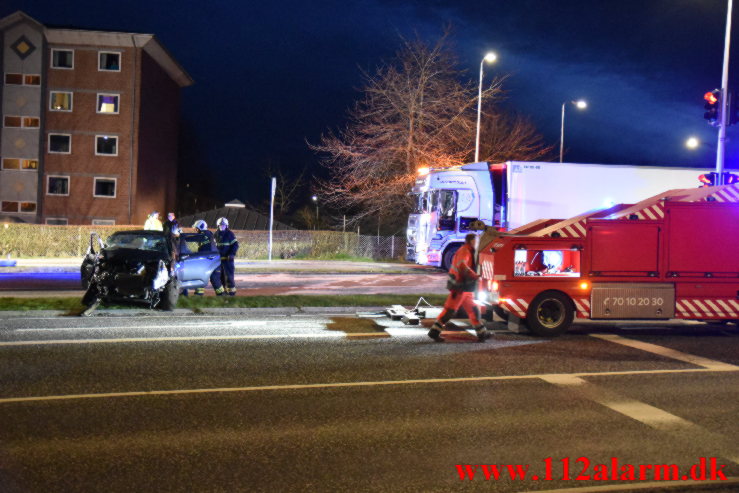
(153, 224)
(227, 243)
(463, 269)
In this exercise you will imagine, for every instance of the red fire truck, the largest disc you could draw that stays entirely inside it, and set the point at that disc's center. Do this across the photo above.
(675, 255)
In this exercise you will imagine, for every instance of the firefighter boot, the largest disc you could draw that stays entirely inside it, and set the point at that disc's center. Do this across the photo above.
(199, 291)
(483, 334)
(435, 332)
(220, 291)
(232, 291)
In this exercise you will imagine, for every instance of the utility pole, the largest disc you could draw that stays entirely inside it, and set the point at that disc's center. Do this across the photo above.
(724, 117)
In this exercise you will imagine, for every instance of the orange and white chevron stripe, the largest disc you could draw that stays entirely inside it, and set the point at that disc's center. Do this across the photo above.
(582, 307)
(707, 308)
(728, 193)
(517, 307)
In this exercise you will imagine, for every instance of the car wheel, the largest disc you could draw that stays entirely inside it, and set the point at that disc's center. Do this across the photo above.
(446, 260)
(550, 314)
(170, 295)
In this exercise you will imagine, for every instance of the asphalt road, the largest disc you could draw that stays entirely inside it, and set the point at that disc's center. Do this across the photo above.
(429, 281)
(283, 404)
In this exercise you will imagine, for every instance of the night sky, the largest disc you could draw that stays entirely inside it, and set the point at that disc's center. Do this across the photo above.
(271, 75)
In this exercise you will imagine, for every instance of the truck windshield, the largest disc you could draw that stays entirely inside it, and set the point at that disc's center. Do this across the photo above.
(420, 203)
(445, 203)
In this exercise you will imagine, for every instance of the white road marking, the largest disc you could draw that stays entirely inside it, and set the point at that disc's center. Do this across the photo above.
(210, 325)
(320, 386)
(317, 335)
(668, 353)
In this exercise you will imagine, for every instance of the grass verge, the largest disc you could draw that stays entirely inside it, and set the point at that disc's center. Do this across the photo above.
(195, 303)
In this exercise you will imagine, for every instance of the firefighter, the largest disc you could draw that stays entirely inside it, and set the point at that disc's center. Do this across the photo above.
(462, 282)
(170, 223)
(227, 245)
(207, 244)
(153, 223)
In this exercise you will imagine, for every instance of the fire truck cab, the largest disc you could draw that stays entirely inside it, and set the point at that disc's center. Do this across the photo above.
(673, 256)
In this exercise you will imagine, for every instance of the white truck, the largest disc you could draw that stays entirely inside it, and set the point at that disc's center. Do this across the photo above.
(511, 194)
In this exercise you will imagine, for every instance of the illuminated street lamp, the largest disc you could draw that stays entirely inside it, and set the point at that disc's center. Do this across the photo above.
(581, 105)
(692, 143)
(490, 58)
(315, 201)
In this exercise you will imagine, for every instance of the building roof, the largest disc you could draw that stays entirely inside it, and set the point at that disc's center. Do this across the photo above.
(68, 36)
(239, 218)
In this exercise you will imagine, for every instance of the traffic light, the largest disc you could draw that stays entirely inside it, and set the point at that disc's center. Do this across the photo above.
(713, 107)
(711, 179)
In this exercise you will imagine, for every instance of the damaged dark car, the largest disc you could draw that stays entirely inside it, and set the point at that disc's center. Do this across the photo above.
(139, 267)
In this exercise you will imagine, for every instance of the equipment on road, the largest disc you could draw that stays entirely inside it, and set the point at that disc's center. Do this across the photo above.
(673, 255)
(451, 202)
(413, 315)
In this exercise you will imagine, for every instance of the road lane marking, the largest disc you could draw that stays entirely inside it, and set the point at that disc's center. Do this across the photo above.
(668, 353)
(320, 386)
(41, 342)
(210, 325)
(651, 416)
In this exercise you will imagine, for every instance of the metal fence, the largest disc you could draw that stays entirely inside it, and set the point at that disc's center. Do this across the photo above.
(36, 240)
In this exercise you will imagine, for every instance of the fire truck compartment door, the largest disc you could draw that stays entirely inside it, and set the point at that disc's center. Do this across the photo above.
(632, 300)
(624, 248)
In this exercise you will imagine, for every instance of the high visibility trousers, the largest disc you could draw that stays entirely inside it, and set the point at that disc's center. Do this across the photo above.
(215, 280)
(454, 301)
(229, 271)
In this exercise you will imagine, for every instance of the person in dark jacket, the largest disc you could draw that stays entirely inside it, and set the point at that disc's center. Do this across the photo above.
(207, 244)
(227, 245)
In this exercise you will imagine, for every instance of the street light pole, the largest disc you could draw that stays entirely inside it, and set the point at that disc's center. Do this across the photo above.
(581, 105)
(721, 149)
(315, 201)
(490, 57)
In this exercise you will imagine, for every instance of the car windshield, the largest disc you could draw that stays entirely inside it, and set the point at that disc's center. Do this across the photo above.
(420, 203)
(137, 241)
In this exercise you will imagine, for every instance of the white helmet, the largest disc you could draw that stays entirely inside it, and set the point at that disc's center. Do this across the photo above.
(222, 220)
(200, 225)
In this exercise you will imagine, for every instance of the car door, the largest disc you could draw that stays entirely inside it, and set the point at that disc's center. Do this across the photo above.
(198, 259)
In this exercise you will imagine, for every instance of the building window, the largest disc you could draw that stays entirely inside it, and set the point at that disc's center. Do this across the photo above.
(21, 121)
(108, 103)
(103, 222)
(14, 79)
(105, 145)
(57, 185)
(12, 121)
(109, 61)
(31, 122)
(60, 143)
(13, 163)
(21, 79)
(104, 187)
(8, 206)
(62, 59)
(60, 101)
(57, 221)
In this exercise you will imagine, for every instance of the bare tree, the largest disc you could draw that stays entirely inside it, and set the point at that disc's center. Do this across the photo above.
(286, 187)
(417, 110)
(511, 137)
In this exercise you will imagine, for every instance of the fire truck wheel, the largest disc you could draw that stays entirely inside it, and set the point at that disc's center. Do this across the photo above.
(446, 260)
(550, 314)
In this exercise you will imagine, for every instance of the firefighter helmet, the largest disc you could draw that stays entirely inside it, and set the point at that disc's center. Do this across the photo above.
(222, 220)
(200, 225)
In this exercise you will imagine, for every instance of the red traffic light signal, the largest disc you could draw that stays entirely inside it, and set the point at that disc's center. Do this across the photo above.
(713, 107)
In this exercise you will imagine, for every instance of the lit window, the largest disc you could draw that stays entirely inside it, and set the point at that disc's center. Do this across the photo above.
(15, 79)
(32, 80)
(60, 143)
(104, 187)
(29, 164)
(11, 163)
(62, 59)
(57, 221)
(108, 103)
(28, 206)
(13, 121)
(110, 61)
(60, 101)
(57, 185)
(106, 145)
(103, 222)
(31, 122)
(9, 206)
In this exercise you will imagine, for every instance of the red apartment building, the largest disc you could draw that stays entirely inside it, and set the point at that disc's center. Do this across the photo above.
(90, 124)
